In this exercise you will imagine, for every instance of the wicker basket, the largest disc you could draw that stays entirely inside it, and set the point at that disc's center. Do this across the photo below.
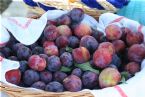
(24, 92)
(70, 4)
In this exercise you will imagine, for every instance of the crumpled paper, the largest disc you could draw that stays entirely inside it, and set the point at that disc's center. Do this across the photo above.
(27, 31)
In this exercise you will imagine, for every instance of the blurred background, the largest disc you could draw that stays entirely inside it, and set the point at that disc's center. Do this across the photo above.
(134, 10)
(13, 8)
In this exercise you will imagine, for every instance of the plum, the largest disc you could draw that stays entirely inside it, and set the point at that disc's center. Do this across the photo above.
(60, 76)
(46, 76)
(109, 77)
(90, 79)
(113, 32)
(77, 71)
(72, 83)
(37, 63)
(13, 76)
(51, 50)
(23, 66)
(73, 42)
(17, 46)
(38, 50)
(64, 30)
(134, 38)
(48, 43)
(54, 87)
(116, 60)
(62, 41)
(6, 51)
(82, 29)
(44, 56)
(30, 77)
(119, 45)
(102, 58)
(81, 55)
(32, 46)
(51, 33)
(125, 30)
(136, 53)
(107, 45)
(39, 85)
(53, 63)
(89, 42)
(64, 20)
(66, 59)
(76, 15)
(23, 53)
(132, 67)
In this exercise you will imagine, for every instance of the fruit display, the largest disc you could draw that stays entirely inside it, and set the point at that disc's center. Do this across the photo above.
(71, 56)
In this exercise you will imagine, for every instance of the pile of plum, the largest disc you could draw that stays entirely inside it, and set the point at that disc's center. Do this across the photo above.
(71, 56)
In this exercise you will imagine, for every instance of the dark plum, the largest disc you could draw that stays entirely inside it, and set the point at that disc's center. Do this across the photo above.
(77, 71)
(64, 20)
(46, 76)
(32, 46)
(44, 56)
(90, 79)
(116, 60)
(62, 50)
(73, 42)
(76, 15)
(39, 85)
(113, 66)
(89, 42)
(11, 41)
(38, 50)
(54, 87)
(30, 76)
(98, 35)
(14, 58)
(23, 66)
(23, 53)
(66, 59)
(62, 41)
(51, 33)
(72, 83)
(6, 51)
(59, 76)
(17, 46)
(53, 63)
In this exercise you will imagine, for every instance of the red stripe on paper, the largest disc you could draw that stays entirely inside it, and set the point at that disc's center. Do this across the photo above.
(19, 24)
(121, 92)
(118, 19)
